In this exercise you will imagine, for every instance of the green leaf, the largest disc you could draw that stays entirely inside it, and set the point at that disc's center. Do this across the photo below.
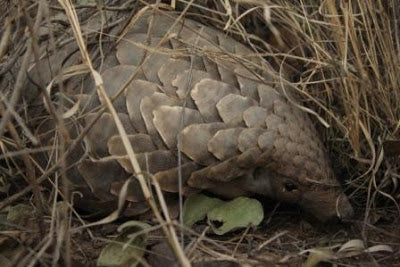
(196, 207)
(234, 214)
(237, 213)
(127, 248)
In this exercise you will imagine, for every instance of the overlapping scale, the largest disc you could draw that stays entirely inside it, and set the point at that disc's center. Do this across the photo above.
(169, 121)
(231, 107)
(206, 95)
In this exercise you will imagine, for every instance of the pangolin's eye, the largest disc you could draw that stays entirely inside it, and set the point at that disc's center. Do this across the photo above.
(289, 186)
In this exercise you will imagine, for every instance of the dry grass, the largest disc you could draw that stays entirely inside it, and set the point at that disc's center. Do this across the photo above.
(343, 56)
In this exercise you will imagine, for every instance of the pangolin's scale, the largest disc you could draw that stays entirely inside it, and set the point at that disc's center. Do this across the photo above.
(197, 84)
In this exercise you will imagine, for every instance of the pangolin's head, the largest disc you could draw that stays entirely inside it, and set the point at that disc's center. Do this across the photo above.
(323, 198)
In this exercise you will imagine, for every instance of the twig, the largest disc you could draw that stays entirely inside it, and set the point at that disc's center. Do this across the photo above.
(19, 83)
(30, 174)
(5, 39)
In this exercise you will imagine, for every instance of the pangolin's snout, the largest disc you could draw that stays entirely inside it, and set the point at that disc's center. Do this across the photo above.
(328, 205)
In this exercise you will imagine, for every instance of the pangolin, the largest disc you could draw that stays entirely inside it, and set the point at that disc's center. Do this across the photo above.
(192, 87)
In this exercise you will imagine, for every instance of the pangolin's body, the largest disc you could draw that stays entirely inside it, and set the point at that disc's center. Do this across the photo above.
(194, 88)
